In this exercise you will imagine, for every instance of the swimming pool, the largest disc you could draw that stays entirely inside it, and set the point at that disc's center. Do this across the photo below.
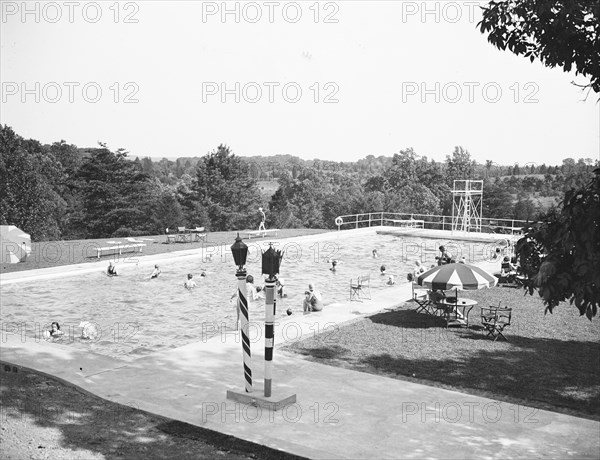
(135, 316)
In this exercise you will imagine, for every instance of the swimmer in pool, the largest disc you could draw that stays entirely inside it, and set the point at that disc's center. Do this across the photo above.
(111, 270)
(333, 265)
(279, 285)
(375, 255)
(391, 281)
(54, 331)
(88, 330)
(418, 268)
(382, 270)
(155, 272)
(190, 283)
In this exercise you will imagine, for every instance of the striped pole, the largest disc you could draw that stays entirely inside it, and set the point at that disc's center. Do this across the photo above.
(245, 328)
(269, 331)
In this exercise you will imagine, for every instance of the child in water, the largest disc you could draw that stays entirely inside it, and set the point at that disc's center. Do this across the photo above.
(190, 283)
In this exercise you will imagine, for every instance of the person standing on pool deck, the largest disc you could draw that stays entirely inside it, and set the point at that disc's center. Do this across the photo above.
(262, 223)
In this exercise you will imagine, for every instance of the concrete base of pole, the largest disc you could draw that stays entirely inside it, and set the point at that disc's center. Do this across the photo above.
(256, 398)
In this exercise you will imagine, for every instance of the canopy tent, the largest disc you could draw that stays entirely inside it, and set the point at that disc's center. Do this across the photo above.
(15, 243)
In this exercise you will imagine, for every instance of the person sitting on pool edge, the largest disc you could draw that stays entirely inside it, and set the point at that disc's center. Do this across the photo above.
(111, 270)
(190, 283)
(445, 258)
(312, 299)
(508, 270)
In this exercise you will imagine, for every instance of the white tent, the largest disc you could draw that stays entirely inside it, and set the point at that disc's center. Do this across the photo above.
(16, 244)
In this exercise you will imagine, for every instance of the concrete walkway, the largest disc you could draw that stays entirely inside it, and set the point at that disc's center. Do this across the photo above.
(339, 413)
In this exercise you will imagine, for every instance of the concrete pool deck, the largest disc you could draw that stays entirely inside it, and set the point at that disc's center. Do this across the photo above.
(339, 413)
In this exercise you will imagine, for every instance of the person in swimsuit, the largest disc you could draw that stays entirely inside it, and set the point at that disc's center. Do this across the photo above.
(112, 269)
(312, 299)
(190, 283)
(264, 217)
(155, 272)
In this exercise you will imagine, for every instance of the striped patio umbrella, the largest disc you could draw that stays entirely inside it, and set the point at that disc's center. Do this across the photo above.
(456, 276)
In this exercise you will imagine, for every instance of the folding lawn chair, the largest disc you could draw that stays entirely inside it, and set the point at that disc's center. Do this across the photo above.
(360, 288)
(495, 319)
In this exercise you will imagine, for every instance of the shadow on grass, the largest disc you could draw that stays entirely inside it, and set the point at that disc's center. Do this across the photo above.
(89, 424)
(543, 372)
(407, 319)
(558, 374)
(328, 353)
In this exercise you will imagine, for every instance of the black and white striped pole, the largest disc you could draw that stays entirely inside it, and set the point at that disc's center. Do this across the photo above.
(271, 261)
(240, 252)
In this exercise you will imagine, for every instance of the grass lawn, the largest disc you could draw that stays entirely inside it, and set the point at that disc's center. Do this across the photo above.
(550, 361)
(55, 253)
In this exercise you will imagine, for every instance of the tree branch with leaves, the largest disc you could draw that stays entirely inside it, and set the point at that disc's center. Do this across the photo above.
(560, 256)
(561, 33)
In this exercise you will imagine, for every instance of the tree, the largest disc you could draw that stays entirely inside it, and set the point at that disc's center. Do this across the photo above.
(115, 195)
(28, 193)
(560, 255)
(459, 166)
(525, 209)
(226, 190)
(557, 32)
(496, 202)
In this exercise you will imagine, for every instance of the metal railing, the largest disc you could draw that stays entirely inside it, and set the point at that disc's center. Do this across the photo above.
(427, 221)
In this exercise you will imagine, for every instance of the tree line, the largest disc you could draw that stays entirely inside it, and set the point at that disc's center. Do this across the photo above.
(60, 191)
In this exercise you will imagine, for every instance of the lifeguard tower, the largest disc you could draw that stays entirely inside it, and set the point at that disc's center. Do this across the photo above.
(467, 205)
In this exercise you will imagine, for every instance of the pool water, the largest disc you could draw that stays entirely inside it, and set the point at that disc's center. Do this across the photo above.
(135, 316)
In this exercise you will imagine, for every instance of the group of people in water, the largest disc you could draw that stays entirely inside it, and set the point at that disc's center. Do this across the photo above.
(189, 283)
(88, 331)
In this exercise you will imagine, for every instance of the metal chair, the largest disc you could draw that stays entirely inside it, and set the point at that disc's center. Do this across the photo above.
(360, 288)
(422, 299)
(495, 319)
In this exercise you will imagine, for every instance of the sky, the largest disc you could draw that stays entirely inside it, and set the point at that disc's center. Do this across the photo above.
(330, 80)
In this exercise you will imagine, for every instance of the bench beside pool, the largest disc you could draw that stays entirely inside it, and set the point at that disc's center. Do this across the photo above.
(187, 235)
(409, 223)
(261, 233)
(121, 248)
